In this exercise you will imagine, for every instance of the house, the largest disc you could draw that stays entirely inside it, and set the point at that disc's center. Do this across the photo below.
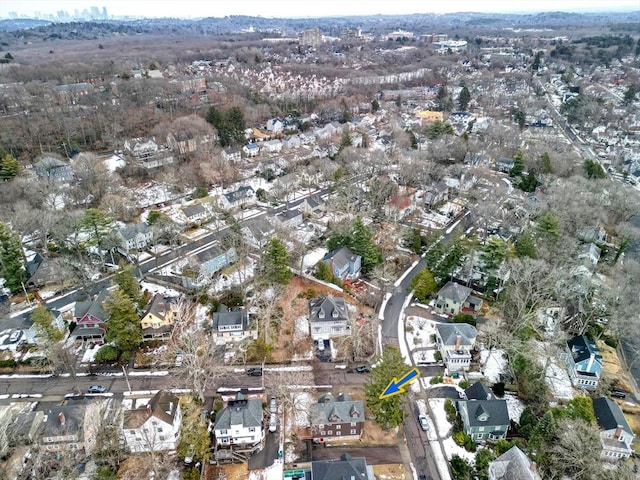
(504, 164)
(154, 426)
(345, 264)
(72, 426)
(590, 253)
(513, 465)
(289, 218)
(53, 169)
(41, 271)
(436, 194)
(454, 298)
(454, 342)
(135, 237)
(160, 316)
(338, 417)
(398, 207)
(478, 391)
(238, 427)
(242, 197)
(484, 419)
(313, 205)
(616, 435)
(195, 213)
(292, 142)
(257, 232)
(232, 154)
(148, 154)
(584, 362)
(90, 319)
(275, 125)
(211, 260)
(251, 149)
(231, 323)
(328, 317)
(347, 468)
(272, 146)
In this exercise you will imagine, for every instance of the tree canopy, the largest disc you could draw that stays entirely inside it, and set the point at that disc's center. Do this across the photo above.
(423, 285)
(43, 320)
(464, 98)
(11, 259)
(359, 239)
(123, 327)
(230, 125)
(9, 166)
(386, 412)
(275, 263)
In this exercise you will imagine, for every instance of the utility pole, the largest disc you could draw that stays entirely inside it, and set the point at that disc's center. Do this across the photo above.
(263, 362)
(126, 377)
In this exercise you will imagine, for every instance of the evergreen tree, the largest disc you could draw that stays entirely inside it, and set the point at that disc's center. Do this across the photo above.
(11, 259)
(518, 164)
(97, 224)
(9, 166)
(375, 105)
(123, 326)
(528, 422)
(362, 244)
(593, 170)
(494, 252)
(423, 285)
(529, 182)
(345, 139)
(443, 100)
(194, 437)
(387, 412)
(525, 246)
(127, 282)
(323, 272)
(439, 128)
(520, 117)
(630, 94)
(546, 167)
(42, 320)
(275, 263)
(548, 226)
(464, 98)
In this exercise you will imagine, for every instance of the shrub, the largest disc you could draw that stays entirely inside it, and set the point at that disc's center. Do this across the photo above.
(9, 363)
(611, 341)
(437, 356)
(200, 192)
(409, 328)
(498, 389)
(435, 380)
(107, 354)
(463, 384)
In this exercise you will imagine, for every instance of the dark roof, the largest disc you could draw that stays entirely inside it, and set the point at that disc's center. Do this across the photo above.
(247, 413)
(193, 210)
(478, 391)
(495, 412)
(339, 410)
(581, 348)
(41, 270)
(513, 465)
(94, 307)
(208, 254)
(340, 257)
(609, 415)
(328, 309)
(164, 406)
(224, 316)
(347, 468)
(288, 215)
(161, 306)
(87, 332)
(240, 194)
(259, 228)
(454, 291)
(64, 420)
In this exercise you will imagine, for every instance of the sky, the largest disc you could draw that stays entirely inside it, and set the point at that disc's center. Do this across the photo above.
(300, 8)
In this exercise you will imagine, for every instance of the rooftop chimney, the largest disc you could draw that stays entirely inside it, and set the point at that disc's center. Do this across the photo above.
(618, 432)
(61, 418)
(149, 409)
(458, 342)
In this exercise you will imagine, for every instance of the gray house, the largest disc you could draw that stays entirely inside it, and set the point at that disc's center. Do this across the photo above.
(135, 237)
(344, 264)
(454, 342)
(195, 213)
(231, 323)
(504, 164)
(513, 465)
(616, 435)
(347, 468)
(53, 169)
(257, 232)
(328, 317)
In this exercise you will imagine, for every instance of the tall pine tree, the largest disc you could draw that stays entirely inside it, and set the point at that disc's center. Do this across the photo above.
(11, 259)
(123, 326)
(275, 263)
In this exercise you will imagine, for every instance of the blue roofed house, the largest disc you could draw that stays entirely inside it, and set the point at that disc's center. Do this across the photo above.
(616, 435)
(584, 362)
(209, 261)
(251, 149)
(345, 264)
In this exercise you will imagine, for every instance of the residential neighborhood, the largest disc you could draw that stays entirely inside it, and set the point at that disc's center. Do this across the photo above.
(389, 246)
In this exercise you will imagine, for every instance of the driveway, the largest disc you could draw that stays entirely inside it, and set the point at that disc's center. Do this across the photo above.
(374, 455)
(265, 457)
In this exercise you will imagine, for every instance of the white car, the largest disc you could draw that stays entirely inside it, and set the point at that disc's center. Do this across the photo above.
(424, 423)
(15, 336)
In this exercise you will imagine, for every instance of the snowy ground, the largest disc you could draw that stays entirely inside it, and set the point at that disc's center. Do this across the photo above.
(114, 162)
(240, 275)
(299, 417)
(302, 327)
(89, 354)
(420, 337)
(514, 406)
(274, 472)
(493, 364)
(558, 380)
(162, 290)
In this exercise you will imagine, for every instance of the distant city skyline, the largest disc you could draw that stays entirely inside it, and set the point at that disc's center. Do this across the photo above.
(289, 9)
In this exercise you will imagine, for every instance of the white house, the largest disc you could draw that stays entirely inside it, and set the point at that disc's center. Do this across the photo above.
(251, 149)
(239, 427)
(275, 125)
(454, 342)
(272, 146)
(135, 237)
(328, 317)
(154, 426)
(616, 435)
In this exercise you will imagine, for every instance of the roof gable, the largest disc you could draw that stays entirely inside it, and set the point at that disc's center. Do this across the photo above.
(609, 415)
(328, 308)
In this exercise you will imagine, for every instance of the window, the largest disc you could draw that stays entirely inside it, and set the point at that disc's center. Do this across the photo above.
(338, 433)
(252, 429)
(321, 426)
(322, 432)
(159, 429)
(353, 431)
(223, 432)
(481, 429)
(329, 432)
(162, 438)
(338, 427)
(353, 424)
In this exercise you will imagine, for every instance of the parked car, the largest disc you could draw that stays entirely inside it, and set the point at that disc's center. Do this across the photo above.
(617, 393)
(15, 336)
(422, 477)
(363, 369)
(254, 372)
(424, 423)
(97, 389)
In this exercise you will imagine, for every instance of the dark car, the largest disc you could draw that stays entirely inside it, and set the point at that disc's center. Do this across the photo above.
(422, 477)
(254, 372)
(617, 393)
(97, 389)
(363, 369)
